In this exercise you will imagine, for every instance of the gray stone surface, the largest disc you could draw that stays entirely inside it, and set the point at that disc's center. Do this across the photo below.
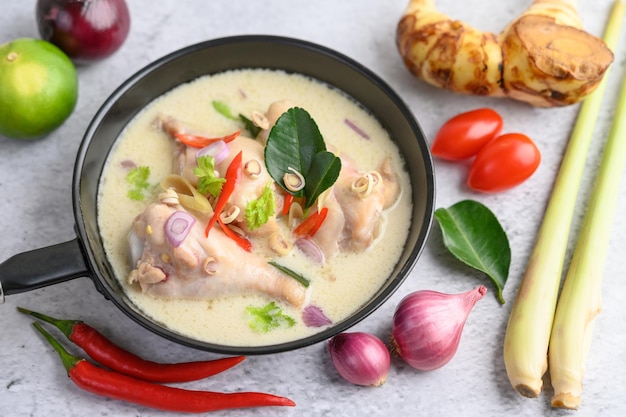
(36, 211)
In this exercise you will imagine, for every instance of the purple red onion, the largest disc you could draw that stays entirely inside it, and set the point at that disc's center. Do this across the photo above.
(427, 326)
(178, 226)
(360, 358)
(86, 30)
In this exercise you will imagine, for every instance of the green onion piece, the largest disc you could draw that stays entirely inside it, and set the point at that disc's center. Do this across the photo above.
(302, 280)
(223, 109)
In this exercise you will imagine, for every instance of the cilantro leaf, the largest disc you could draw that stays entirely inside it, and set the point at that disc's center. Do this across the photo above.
(138, 179)
(208, 183)
(260, 210)
(269, 317)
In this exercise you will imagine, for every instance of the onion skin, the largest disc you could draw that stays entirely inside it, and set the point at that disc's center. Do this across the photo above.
(360, 358)
(427, 326)
(86, 30)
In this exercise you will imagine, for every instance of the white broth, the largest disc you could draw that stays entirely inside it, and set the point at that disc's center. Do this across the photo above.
(340, 287)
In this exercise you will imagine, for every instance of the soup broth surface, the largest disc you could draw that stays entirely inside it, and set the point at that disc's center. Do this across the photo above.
(340, 287)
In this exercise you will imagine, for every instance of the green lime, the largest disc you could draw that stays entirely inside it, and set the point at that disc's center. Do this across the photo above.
(38, 88)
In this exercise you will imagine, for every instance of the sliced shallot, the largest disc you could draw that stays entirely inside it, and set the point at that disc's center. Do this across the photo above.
(356, 128)
(177, 227)
(313, 316)
(311, 250)
(218, 150)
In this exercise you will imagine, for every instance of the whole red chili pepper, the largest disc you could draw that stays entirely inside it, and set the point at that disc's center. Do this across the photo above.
(233, 173)
(110, 355)
(117, 386)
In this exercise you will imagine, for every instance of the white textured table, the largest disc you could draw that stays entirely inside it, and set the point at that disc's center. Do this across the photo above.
(36, 210)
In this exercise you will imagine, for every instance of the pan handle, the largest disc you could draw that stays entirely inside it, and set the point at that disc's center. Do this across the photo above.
(42, 267)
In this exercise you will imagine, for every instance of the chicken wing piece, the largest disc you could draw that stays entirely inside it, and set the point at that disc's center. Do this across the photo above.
(363, 197)
(200, 267)
(332, 232)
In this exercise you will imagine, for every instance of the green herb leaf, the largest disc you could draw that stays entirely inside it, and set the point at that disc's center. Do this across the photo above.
(295, 143)
(223, 109)
(473, 234)
(292, 143)
(293, 274)
(260, 210)
(207, 181)
(269, 317)
(250, 126)
(325, 169)
(138, 179)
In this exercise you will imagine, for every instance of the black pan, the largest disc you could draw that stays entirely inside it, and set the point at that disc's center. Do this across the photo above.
(84, 256)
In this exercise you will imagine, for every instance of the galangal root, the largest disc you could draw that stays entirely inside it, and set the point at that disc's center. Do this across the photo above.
(543, 58)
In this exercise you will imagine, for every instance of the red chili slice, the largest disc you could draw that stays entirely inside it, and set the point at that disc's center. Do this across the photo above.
(311, 224)
(287, 203)
(233, 174)
(196, 141)
(243, 243)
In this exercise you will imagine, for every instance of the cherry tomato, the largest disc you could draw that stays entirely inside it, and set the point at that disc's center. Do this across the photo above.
(503, 163)
(465, 134)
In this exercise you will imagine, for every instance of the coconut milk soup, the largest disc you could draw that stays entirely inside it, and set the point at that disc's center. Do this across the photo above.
(212, 288)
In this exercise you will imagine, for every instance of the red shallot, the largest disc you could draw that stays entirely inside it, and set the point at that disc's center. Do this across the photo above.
(360, 358)
(177, 227)
(427, 326)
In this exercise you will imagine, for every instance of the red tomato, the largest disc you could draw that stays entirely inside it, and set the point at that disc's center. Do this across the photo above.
(465, 134)
(503, 163)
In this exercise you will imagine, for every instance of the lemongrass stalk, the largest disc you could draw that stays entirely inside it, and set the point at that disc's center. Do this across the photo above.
(530, 322)
(581, 297)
